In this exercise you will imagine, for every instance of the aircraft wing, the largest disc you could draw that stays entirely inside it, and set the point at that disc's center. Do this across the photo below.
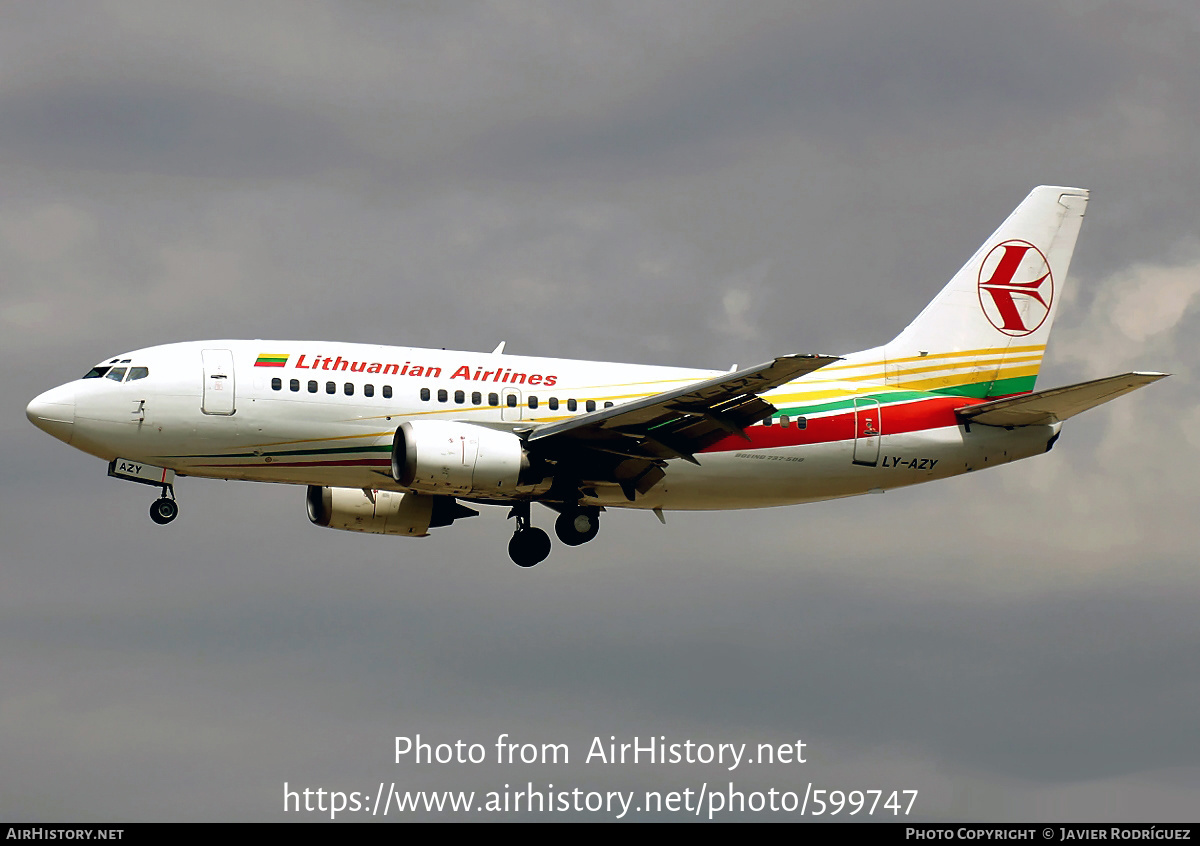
(629, 443)
(1056, 404)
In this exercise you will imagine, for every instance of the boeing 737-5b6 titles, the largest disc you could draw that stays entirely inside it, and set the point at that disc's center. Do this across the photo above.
(396, 440)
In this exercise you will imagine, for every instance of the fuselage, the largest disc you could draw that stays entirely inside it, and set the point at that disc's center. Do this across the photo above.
(325, 414)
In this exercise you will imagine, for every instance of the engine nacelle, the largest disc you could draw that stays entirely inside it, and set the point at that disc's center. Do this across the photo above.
(382, 513)
(458, 458)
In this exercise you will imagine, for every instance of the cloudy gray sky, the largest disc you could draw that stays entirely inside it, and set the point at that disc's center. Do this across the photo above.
(671, 182)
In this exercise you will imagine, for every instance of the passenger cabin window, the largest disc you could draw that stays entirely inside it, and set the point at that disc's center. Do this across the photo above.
(609, 404)
(331, 387)
(387, 391)
(572, 405)
(368, 390)
(442, 395)
(801, 423)
(511, 400)
(493, 399)
(294, 384)
(533, 402)
(117, 374)
(348, 389)
(591, 405)
(425, 395)
(476, 398)
(460, 397)
(276, 384)
(553, 403)
(785, 421)
(312, 386)
(96, 372)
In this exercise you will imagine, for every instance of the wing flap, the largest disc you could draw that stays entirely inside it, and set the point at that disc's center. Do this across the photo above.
(630, 444)
(721, 404)
(1055, 404)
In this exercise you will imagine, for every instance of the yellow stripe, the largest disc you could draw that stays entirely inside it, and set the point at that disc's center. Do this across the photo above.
(958, 368)
(847, 388)
(949, 368)
(933, 356)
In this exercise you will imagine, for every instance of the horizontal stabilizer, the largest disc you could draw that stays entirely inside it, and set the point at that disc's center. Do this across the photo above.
(1056, 404)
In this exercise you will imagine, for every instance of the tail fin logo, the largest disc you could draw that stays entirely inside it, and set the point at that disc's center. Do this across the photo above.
(1016, 288)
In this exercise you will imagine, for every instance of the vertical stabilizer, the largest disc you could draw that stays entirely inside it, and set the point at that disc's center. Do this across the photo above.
(985, 333)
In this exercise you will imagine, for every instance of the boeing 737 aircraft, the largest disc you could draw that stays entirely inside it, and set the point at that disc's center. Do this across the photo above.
(394, 440)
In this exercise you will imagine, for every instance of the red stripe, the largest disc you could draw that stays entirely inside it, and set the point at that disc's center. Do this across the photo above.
(270, 364)
(933, 413)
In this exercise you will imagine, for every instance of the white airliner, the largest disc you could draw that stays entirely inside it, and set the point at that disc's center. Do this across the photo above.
(393, 440)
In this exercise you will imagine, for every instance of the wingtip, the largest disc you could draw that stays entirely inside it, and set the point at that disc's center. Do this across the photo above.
(1064, 189)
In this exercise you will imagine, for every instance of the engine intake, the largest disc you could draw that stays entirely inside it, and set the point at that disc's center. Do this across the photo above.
(459, 458)
(382, 513)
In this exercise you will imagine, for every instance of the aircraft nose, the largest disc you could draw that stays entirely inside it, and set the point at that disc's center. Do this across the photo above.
(54, 412)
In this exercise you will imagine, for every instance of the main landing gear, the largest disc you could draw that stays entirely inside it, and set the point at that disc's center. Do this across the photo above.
(577, 526)
(530, 546)
(164, 509)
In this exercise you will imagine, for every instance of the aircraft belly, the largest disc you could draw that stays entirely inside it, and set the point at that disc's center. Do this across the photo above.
(760, 478)
(813, 472)
(336, 477)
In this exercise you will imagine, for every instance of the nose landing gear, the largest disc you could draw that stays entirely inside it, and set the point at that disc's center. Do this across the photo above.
(163, 510)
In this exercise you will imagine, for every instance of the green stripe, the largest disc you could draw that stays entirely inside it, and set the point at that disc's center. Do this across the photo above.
(982, 390)
(975, 390)
(293, 452)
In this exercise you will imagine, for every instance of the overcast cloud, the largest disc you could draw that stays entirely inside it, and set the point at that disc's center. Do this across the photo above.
(675, 182)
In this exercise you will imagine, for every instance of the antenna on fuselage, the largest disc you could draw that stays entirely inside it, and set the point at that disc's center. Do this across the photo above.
(499, 348)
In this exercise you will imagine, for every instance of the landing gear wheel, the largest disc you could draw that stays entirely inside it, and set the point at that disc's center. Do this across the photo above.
(529, 547)
(577, 527)
(163, 511)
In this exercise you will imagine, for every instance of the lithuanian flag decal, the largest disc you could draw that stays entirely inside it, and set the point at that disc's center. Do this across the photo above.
(271, 360)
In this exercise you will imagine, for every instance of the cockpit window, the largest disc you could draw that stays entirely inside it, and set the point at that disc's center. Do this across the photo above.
(117, 374)
(96, 372)
(138, 373)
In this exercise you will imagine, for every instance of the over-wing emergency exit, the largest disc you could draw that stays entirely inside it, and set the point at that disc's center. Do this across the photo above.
(401, 440)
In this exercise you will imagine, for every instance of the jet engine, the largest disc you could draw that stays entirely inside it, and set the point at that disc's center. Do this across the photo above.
(382, 512)
(459, 458)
